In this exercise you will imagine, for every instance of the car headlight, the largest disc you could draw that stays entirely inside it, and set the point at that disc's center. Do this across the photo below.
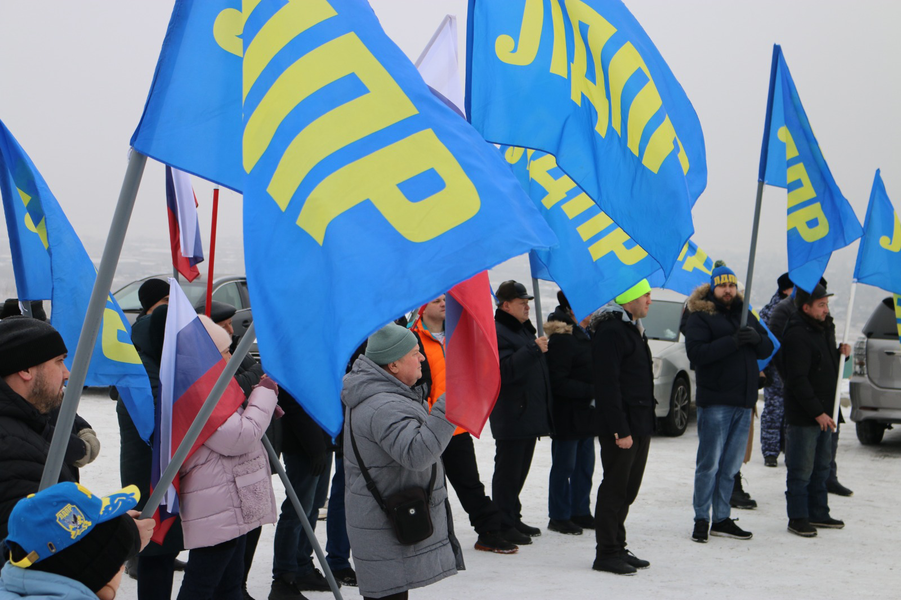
(657, 364)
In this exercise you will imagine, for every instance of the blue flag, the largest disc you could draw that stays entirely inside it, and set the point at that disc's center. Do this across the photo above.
(879, 254)
(365, 196)
(820, 219)
(693, 268)
(583, 82)
(192, 117)
(71, 280)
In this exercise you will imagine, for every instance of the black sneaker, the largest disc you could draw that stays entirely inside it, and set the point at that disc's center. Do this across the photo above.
(314, 581)
(346, 577)
(834, 487)
(633, 560)
(492, 541)
(613, 564)
(584, 521)
(802, 527)
(567, 527)
(827, 523)
(527, 529)
(770, 461)
(513, 536)
(728, 528)
(700, 532)
(283, 589)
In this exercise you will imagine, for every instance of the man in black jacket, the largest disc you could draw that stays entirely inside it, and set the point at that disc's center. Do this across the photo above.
(624, 392)
(33, 374)
(521, 413)
(810, 364)
(725, 360)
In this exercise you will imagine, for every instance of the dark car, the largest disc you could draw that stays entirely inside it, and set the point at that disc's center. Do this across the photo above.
(876, 378)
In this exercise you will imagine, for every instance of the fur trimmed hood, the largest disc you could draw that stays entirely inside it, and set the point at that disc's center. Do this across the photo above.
(557, 327)
(699, 301)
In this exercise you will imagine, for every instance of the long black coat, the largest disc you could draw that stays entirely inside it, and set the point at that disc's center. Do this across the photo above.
(726, 374)
(623, 376)
(25, 436)
(569, 364)
(810, 361)
(523, 405)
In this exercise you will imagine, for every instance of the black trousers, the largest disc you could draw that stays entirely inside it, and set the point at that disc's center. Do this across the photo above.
(623, 470)
(463, 473)
(512, 460)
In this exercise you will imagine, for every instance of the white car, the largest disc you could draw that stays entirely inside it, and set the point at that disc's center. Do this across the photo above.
(674, 380)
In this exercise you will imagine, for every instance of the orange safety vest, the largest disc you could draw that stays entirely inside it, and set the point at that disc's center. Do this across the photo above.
(434, 354)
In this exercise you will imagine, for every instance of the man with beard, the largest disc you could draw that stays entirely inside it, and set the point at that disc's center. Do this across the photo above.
(810, 364)
(33, 373)
(725, 357)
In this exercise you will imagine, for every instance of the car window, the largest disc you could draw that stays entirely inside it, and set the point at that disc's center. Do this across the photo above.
(230, 294)
(882, 324)
(128, 298)
(662, 322)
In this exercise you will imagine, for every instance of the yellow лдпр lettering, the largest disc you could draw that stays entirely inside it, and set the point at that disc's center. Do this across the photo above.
(892, 244)
(802, 218)
(113, 349)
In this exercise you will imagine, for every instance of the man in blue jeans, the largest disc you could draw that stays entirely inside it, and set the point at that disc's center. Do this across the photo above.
(724, 356)
(810, 364)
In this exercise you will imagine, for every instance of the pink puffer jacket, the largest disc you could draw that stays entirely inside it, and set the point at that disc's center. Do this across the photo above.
(226, 486)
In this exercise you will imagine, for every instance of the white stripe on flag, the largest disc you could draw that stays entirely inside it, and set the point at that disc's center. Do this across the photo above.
(186, 212)
(439, 64)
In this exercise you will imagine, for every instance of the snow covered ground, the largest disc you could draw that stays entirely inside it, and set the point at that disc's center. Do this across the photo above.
(859, 561)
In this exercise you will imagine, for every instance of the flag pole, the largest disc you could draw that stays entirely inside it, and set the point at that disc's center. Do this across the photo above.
(752, 256)
(537, 293)
(209, 277)
(841, 357)
(93, 317)
(302, 513)
(209, 405)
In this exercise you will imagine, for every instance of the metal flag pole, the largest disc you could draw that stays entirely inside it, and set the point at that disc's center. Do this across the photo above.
(93, 317)
(537, 293)
(302, 513)
(209, 275)
(752, 256)
(200, 420)
(841, 358)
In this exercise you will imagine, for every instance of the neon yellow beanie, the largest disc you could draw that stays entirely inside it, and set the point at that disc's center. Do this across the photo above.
(636, 291)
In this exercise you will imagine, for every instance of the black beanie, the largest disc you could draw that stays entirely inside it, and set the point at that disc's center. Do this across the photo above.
(152, 291)
(562, 301)
(27, 342)
(95, 559)
(784, 282)
(220, 311)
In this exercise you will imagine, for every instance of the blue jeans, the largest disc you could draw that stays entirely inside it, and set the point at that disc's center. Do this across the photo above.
(808, 452)
(293, 552)
(569, 485)
(337, 546)
(722, 439)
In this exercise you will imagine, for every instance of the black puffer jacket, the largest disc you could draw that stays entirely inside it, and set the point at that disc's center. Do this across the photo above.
(569, 363)
(523, 405)
(623, 375)
(810, 361)
(25, 436)
(727, 375)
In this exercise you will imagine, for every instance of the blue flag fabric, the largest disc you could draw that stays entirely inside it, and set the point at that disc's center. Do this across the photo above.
(820, 219)
(365, 196)
(879, 255)
(192, 117)
(693, 268)
(583, 82)
(71, 279)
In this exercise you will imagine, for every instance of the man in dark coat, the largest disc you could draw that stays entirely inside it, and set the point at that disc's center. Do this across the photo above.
(572, 449)
(624, 392)
(810, 366)
(725, 361)
(32, 376)
(521, 413)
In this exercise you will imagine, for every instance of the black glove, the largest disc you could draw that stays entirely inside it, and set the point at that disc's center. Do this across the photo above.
(746, 336)
(319, 463)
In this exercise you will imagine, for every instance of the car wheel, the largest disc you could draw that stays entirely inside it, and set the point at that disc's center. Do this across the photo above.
(870, 432)
(676, 421)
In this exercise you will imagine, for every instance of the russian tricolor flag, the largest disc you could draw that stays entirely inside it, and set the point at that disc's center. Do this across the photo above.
(189, 368)
(184, 228)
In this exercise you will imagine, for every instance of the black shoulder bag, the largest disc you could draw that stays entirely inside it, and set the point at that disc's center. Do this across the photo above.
(407, 510)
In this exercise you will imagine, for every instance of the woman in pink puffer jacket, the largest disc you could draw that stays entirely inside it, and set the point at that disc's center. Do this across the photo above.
(226, 491)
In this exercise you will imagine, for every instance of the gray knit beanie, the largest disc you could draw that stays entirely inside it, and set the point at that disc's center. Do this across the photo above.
(390, 343)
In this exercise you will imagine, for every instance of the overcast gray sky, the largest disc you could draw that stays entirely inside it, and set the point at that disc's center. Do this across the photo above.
(75, 74)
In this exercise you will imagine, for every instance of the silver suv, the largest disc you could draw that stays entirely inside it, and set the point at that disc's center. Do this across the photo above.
(876, 378)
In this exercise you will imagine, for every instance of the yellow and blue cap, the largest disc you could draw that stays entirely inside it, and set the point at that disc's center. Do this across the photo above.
(722, 275)
(53, 519)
